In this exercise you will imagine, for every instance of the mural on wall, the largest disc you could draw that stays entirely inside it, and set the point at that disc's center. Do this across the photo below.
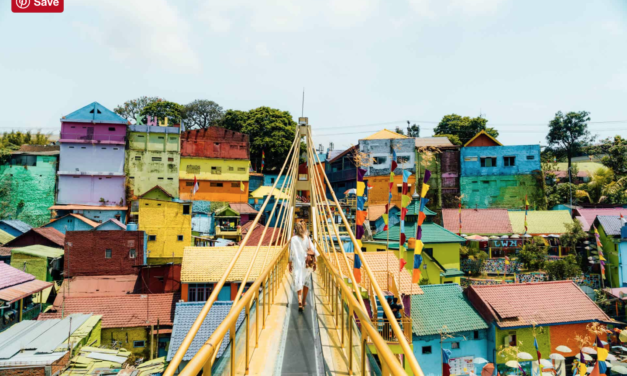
(492, 266)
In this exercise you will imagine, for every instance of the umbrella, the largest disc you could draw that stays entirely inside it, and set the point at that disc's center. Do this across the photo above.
(525, 356)
(477, 238)
(488, 370)
(588, 350)
(479, 360)
(547, 373)
(512, 364)
(556, 357)
(352, 191)
(604, 343)
(494, 237)
(546, 363)
(553, 236)
(620, 347)
(526, 236)
(516, 236)
(586, 357)
(504, 237)
(543, 236)
(619, 369)
(563, 349)
(463, 235)
(610, 357)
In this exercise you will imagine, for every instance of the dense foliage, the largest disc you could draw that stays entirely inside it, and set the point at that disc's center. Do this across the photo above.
(533, 254)
(569, 134)
(563, 269)
(464, 127)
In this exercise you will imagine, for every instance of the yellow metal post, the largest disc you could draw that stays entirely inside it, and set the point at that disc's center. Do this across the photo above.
(350, 342)
(232, 335)
(257, 321)
(247, 335)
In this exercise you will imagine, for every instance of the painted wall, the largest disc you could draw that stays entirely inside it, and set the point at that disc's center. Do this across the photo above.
(220, 190)
(203, 224)
(215, 142)
(610, 251)
(31, 189)
(383, 149)
(125, 337)
(342, 174)
(431, 364)
(447, 254)
(91, 159)
(166, 221)
(88, 133)
(524, 337)
(34, 265)
(153, 159)
(566, 334)
(160, 279)
(96, 215)
(379, 194)
(622, 249)
(214, 169)
(471, 160)
(269, 179)
(10, 230)
(255, 181)
(109, 226)
(89, 190)
(503, 191)
(69, 223)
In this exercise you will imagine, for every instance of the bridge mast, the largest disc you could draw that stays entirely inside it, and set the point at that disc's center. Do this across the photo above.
(304, 181)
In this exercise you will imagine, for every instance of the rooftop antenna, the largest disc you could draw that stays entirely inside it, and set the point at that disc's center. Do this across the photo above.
(302, 113)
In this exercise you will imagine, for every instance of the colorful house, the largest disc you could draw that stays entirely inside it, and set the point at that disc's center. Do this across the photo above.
(378, 149)
(488, 222)
(219, 159)
(100, 253)
(441, 157)
(72, 222)
(228, 223)
(255, 180)
(130, 323)
(441, 262)
(45, 263)
(185, 315)
(247, 213)
(553, 313)
(494, 175)
(30, 175)
(19, 293)
(587, 216)
(204, 266)
(153, 158)
(168, 225)
(14, 227)
(375, 216)
(613, 234)
(540, 222)
(342, 172)
(444, 319)
(258, 196)
(45, 236)
(91, 168)
(95, 213)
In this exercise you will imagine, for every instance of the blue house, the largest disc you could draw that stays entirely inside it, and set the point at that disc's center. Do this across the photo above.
(269, 179)
(613, 235)
(14, 227)
(443, 309)
(72, 222)
(112, 225)
(495, 175)
(95, 213)
(342, 172)
(255, 180)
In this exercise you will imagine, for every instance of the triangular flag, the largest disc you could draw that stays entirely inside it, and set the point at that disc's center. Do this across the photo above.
(402, 264)
(405, 201)
(425, 189)
(419, 246)
(421, 218)
(427, 176)
(406, 175)
(385, 218)
(391, 179)
(361, 186)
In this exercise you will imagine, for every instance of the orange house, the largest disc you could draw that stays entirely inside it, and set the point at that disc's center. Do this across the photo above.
(225, 191)
(379, 193)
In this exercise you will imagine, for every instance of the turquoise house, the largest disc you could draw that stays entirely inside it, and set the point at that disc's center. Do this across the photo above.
(613, 234)
(72, 222)
(444, 319)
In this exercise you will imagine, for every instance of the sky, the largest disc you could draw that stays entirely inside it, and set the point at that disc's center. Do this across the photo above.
(364, 65)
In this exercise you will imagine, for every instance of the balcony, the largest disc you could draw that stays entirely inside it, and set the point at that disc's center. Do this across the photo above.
(228, 232)
(92, 138)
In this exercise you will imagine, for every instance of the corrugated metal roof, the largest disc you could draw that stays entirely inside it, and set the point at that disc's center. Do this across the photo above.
(39, 251)
(10, 276)
(611, 224)
(94, 113)
(184, 317)
(5, 237)
(431, 234)
(540, 221)
(243, 208)
(17, 224)
(17, 292)
(86, 207)
(96, 286)
(433, 141)
(443, 308)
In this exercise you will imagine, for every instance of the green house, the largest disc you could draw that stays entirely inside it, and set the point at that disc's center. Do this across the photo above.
(45, 263)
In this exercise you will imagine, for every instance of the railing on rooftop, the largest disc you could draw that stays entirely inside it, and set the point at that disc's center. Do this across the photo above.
(91, 138)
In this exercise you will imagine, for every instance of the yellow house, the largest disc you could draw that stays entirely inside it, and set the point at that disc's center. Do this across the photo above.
(218, 179)
(168, 228)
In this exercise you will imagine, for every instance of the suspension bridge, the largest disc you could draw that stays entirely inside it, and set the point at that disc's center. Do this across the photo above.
(338, 333)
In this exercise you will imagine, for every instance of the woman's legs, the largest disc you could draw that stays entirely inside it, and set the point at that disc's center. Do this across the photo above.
(305, 291)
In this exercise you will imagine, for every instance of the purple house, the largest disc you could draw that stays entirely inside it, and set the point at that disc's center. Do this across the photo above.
(91, 168)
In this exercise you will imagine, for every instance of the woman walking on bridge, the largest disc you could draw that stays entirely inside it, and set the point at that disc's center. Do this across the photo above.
(302, 262)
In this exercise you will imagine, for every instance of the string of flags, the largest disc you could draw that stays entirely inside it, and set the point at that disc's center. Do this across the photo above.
(421, 217)
(360, 217)
(387, 206)
(263, 159)
(405, 201)
(600, 249)
(460, 219)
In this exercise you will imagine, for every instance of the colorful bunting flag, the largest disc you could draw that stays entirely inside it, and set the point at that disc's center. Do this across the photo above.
(357, 268)
(535, 343)
(600, 250)
(263, 159)
(402, 264)
(460, 219)
(421, 218)
(360, 218)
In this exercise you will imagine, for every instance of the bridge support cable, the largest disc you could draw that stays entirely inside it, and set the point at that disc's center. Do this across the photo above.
(208, 348)
(407, 350)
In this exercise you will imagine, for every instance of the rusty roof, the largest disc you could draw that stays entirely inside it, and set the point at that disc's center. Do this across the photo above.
(52, 234)
(97, 286)
(255, 237)
(17, 292)
(38, 150)
(86, 207)
(243, 208)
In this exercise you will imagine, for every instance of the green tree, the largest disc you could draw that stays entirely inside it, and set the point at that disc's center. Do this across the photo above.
(270, 131)
(162, 109)
(464, 127)
(134, 107)
(574, 235)
(563, 269)
(451, 137)
(413, 130)
(568, 134)
(560, 194)
(203, 114)
(476, 255)
(533, 254)
(14, 139)
(615, 150)
(399, 131)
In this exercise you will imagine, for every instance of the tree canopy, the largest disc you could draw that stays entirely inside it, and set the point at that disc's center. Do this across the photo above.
(134, 107)
(270, 131)
(14, 139)
(203, 114)
(568, 134)
(464, 127)
(162, 109)
(615, 150)
(413, 130)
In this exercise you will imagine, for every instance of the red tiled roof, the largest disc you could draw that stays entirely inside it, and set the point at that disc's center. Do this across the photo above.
(243, 208)
(123, 311)
(543, 303)
(17, 292)
(55, 235)
(96, 286)
(478, 221)
(257, 232)
(589, 215)
(10, 276)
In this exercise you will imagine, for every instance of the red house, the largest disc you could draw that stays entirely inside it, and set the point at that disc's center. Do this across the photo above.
(215, 142)
(47, 236)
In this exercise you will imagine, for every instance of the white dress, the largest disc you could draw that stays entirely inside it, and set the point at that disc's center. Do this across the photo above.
(298, 255)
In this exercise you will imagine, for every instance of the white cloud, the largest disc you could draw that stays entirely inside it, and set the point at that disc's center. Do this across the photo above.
(146, 31)
(433, 8)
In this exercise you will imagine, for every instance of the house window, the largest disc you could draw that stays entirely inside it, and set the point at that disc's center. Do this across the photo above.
(156, 159)
(132, 253)
(160, 137)
(216, 185)
(509, 161)
(192, 169)
(170, 159)
(380, 249)
(455, 345)
(170, 178)
(199, 292)
(107, 253)
(116, 148)
(159, 178)
(152, 238)
(137, 344)
(231, 168)
(271, 180)
(488, 161)
(470, 159)
(234, 185)
(138, 158)
(379, 160)
(180, 238)
(111, 129)
(186, 209)
(400, 188)
(511, 339)
(531, 157)
(402, 159)
(475, 334)
(131, 177)
(190, 184)
(241, 169)
(426, 350)
(216, 170)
